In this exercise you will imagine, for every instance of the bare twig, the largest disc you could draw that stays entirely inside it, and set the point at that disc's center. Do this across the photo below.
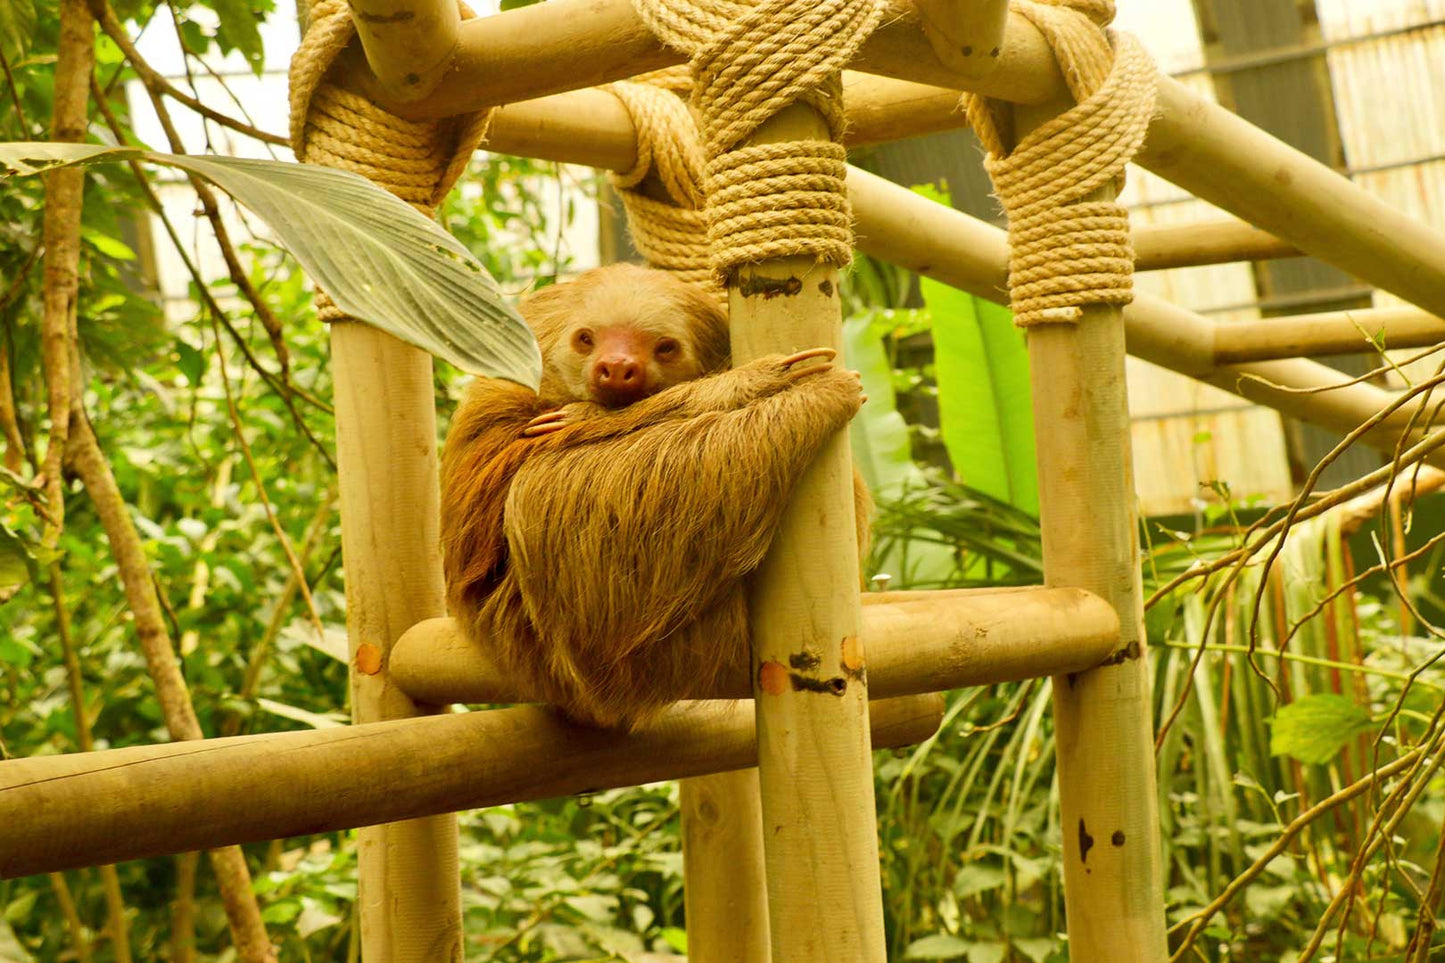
(229, 864)
(14, 93)
(1199, 920)
(79, 942)
(297, 569)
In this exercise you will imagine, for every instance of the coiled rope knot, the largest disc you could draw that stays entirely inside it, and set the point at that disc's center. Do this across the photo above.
(670, 233)
(749, 61)
(334, 127)
(1065, 251)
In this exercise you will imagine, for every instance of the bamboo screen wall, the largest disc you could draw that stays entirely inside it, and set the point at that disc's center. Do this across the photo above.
(1383, 68)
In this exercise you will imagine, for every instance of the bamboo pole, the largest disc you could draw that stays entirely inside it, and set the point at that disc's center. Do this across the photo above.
(725, 882)
(407, 44)
(1113, 880)
(1161, 246)
(967, 35)
(563, 45)
(916, 642)
(906, 229)
(567, 44)
(410, 896)
(143, 801)
(1329, 332)
(820, 828)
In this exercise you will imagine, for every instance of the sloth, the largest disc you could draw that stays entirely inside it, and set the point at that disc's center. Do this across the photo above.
(597, 534)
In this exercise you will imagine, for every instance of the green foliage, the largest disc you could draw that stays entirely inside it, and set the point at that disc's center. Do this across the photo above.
(1316, 727)
(381, 260)
(984, 399)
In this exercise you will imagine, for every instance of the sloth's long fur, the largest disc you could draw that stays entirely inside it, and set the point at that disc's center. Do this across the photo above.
(603, 565)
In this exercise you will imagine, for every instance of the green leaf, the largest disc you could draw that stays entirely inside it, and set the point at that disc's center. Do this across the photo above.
(240, 30)
(378, 258)
(15, 563)
(17, 27)
(14, 652)
(109, 246)
(191, 361)
(940, 946)
(984, 399)
(675, 938)
(990, 952)
(975, 878)
(1314, 728)
(1036, 949)
(879, 435)
(282, 911)
(18, 909)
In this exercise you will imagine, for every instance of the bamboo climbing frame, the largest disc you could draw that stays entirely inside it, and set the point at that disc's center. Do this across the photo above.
(419, 59)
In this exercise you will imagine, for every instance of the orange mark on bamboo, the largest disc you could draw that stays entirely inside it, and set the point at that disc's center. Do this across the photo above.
(367, 659)
(773, 678)
(852, 654)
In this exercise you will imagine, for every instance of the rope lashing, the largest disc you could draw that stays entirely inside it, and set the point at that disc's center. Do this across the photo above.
(750, 60)
(334, 127)
(1067, 252)
(670, 233)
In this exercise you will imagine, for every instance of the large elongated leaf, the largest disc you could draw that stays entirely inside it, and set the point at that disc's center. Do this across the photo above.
(378, 258)
(984, 400)
(884, 455)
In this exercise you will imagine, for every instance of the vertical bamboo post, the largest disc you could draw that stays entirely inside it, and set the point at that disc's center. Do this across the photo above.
(725, 885)
(819, 824)
(1113, 885)
(410, 898)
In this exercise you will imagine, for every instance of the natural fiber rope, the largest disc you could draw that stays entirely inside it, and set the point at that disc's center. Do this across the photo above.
(418, 162)
(749, 60)
(671, 234)
(1067, 252)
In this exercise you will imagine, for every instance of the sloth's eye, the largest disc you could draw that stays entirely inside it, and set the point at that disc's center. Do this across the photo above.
(582, 339)
(666, 349)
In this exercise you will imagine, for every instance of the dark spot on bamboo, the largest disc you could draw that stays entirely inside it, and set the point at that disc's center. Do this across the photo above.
(413, 79)
(401, 16)
(993, 52)
(968, 51)
(1118, 838)
(1128, 652)
(756, 284)
(805, 659)
(1086, 842)
(802, 683)
(826, 287)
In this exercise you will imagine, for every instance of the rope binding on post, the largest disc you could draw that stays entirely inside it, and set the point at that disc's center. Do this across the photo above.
(670, 233)
(335, 127)
(1066, 251)
(749, 61)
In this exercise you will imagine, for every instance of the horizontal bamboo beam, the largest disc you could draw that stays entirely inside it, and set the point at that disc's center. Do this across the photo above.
(86, 809)
(592, 128)
(569, 44)
(564, 45)
(906, 229)
(1158, 247)
(1330, 332)
(927, 642)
